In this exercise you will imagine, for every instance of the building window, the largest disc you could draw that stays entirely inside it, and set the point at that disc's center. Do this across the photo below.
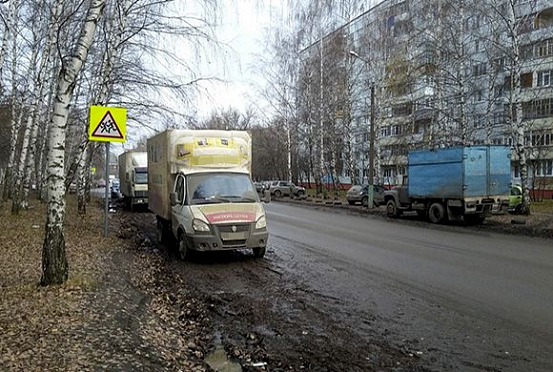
(544, 78)
(527, 80)
(397, 130)
(545, 168)
(479, 69)
(544, 48)
(478, 95)
(385, 131)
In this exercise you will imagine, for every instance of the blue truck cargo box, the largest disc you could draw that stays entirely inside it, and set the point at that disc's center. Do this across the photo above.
(460, 172)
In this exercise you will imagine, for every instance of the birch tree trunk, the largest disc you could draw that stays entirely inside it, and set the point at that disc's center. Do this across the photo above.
(20, 167)
(10, 24)
(42, 160)
(54, 261)
(38, 102)
(16, 116)
(516, 103)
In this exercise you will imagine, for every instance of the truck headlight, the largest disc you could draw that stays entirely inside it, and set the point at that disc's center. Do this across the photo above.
(199, 225)
(261, 223)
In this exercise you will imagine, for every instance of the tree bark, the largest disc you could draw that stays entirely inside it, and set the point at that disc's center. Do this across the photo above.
(54, 261)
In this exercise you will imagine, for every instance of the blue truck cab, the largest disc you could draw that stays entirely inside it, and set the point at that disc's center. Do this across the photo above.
(459, 183)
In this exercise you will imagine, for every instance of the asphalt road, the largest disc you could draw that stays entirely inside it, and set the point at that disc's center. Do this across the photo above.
(460, 298)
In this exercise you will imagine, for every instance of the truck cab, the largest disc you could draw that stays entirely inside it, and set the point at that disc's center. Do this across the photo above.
(216, 211)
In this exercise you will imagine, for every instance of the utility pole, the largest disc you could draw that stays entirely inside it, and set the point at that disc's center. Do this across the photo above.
(371, 153)
(370, 202)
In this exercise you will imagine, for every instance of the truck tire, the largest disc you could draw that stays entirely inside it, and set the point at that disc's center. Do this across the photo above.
(436, 213)
(183, 247)
(259, 252)
(391, 209)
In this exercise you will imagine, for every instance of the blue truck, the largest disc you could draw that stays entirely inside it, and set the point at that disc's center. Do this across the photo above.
(456, 184)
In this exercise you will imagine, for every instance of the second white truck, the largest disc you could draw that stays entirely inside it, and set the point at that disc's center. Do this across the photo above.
(201, 191)
(133, 178)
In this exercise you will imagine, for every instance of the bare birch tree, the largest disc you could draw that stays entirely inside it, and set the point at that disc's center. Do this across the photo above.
(54, 261)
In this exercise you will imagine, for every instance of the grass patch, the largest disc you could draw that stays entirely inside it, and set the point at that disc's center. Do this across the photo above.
(544, 206)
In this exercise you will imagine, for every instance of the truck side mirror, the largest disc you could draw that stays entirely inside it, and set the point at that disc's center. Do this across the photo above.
(174, 198)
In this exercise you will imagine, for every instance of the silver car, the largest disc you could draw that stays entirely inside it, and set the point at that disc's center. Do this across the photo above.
(360, 194)
(282, 188)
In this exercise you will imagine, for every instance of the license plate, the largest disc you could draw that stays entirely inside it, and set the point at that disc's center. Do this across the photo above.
(233, 236)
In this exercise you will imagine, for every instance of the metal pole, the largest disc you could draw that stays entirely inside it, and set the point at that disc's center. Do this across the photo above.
(106, 204)
(371, 152)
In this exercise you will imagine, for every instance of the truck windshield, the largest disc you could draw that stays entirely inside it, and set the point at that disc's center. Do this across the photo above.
(207, 188)
(141, 178)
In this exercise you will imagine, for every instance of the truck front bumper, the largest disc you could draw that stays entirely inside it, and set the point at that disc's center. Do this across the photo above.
(219, 240)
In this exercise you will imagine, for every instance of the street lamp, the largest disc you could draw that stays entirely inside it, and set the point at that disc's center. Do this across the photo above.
(371, 137)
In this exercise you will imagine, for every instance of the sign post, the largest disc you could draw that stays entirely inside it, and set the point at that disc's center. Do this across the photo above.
(107, 124)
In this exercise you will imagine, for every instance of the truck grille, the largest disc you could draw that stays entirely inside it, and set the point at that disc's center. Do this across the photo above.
(234, 235)
(141, 194)
(239, 228)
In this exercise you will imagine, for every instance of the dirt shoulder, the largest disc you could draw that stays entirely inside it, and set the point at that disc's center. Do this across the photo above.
(102, 318)
(538, 224)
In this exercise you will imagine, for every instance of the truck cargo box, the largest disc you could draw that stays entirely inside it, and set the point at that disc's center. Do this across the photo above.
(460, 172)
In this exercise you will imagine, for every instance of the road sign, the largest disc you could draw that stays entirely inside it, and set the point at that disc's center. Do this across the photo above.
(93, 170)
(107, 124)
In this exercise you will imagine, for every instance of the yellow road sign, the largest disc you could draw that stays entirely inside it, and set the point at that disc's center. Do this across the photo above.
(93, 170)
(107, 124)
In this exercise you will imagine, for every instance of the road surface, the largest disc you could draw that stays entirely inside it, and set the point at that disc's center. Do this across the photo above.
(459, 297)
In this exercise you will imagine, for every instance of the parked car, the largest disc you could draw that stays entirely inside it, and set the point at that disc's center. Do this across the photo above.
(73, 187)
(259, 186)
(360, 194)
(285, 188)
(515, 200)
(101, 183)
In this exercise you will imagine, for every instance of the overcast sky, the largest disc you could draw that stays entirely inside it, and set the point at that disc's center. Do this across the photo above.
(241, 29)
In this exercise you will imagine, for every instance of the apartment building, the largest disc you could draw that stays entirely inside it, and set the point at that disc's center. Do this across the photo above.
(446, 73)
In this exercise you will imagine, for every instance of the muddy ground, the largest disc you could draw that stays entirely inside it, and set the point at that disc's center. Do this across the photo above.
(259, 311)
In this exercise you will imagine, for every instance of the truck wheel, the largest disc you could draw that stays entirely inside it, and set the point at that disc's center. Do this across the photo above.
(391, 209)
(259, 252)
(436, 213)
(278, 194)
(183, 247)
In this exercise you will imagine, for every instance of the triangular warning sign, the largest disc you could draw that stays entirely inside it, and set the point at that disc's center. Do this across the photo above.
(107, 128)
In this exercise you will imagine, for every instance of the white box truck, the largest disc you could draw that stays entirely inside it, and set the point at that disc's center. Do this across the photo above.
(133, 178)
(201, 191)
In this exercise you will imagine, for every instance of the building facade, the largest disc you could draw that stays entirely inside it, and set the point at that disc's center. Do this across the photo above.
(444, 73)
